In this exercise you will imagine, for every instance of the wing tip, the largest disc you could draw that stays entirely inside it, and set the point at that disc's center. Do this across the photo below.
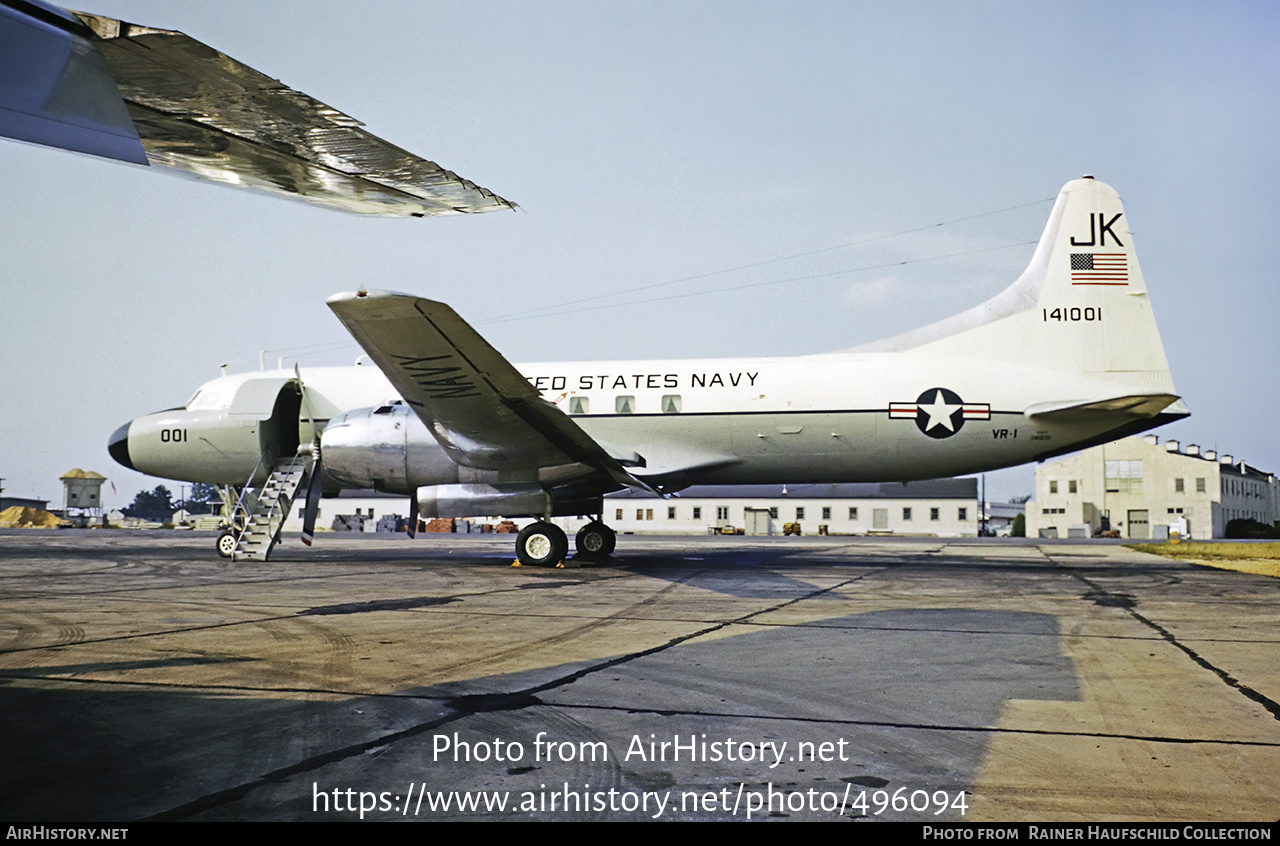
(349, 296)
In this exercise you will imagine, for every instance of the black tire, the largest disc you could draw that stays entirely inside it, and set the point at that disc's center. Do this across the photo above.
(227, 542)
(595, 540)
(541, 545)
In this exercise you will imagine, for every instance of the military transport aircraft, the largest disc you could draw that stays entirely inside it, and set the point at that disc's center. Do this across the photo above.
(1068, 356)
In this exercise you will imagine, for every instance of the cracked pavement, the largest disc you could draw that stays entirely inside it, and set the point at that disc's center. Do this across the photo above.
(142, 677)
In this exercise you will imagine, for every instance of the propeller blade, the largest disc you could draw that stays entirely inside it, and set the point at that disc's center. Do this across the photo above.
(317, 469)
(313, 501)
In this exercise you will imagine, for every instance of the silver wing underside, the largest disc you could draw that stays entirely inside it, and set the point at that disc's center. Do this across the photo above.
(198, 110)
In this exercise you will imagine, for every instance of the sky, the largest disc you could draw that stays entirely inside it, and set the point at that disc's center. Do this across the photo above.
(682, 151)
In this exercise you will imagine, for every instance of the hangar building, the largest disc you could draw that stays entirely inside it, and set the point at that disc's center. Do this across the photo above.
(1141, 487)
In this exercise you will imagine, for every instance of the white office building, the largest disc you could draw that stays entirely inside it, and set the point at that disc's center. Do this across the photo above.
(1143, 489)
(938, 507)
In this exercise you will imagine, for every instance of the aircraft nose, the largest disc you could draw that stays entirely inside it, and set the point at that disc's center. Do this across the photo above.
(118, 446)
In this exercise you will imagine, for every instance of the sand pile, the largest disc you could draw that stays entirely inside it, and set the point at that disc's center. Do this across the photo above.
(18, 517)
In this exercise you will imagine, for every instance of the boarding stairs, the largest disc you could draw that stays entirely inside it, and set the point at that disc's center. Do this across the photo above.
(264, 511)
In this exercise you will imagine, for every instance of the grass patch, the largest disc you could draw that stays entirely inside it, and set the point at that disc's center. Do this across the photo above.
(1258, 558)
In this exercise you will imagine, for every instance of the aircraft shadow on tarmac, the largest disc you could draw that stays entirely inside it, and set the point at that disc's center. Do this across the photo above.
(908, 696)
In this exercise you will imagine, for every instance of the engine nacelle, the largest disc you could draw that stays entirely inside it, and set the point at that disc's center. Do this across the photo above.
(386, 448)
(482, 500)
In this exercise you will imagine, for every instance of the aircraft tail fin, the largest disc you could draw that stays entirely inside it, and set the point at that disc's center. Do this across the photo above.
(1081, 305)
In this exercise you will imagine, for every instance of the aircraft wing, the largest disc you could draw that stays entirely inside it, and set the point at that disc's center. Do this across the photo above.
(95, 84)
(480, 408)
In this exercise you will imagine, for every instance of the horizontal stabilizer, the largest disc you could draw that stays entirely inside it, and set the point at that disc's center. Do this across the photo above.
(1142, 405)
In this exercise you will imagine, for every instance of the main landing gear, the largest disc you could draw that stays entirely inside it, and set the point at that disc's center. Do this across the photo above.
(543, 544)
(596, 538)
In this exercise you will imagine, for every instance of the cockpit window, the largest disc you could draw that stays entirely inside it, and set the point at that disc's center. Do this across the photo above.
(206, 398)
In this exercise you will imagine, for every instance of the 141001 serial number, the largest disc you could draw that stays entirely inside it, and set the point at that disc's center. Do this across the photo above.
(1071, 315)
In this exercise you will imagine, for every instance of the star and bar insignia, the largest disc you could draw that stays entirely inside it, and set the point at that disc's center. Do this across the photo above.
(938, 412)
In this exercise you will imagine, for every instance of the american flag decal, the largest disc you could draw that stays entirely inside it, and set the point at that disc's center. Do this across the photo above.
(1099, 269)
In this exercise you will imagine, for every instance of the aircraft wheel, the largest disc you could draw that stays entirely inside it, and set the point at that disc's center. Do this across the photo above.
(541, 545)
(596, 539)
(227, 542)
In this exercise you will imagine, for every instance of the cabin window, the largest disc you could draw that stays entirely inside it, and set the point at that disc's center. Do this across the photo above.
(671, 404)
(579, 405)
(624, 405)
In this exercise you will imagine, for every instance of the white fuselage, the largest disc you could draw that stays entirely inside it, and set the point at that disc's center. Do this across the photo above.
(820, 418)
